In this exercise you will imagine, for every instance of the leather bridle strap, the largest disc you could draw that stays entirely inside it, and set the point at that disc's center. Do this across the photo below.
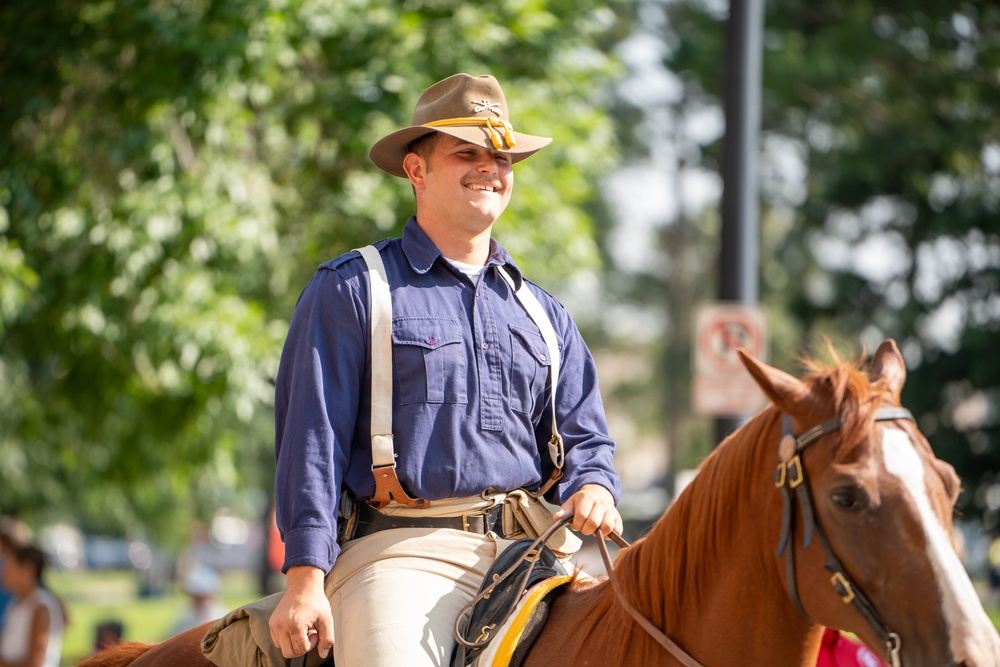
(663, 640)
(791, 476)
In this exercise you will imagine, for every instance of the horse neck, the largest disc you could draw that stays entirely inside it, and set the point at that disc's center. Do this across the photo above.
(706, 572)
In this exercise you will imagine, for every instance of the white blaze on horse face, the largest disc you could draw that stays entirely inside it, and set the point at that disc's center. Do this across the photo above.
(973, 637)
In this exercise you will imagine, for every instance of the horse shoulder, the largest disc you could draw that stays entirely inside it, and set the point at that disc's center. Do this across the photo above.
(571, 635)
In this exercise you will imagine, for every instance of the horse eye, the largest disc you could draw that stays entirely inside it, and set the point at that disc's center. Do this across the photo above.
(848, 498)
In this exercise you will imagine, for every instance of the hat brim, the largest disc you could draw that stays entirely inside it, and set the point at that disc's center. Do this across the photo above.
(388, 152)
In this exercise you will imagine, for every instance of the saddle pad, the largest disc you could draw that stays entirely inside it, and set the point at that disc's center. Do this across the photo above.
(515, 636)
(524, 568)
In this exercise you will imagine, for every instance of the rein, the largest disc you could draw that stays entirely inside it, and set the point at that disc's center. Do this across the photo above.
(636, 615)
(790, 477)
(653, 631)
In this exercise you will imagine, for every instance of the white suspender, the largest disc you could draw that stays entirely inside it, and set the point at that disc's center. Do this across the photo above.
(381, 332)
(534, 309)
(387, 486)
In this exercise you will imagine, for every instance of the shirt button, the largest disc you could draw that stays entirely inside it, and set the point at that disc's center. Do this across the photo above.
(486, 346)
(431, 341)
(542, 356)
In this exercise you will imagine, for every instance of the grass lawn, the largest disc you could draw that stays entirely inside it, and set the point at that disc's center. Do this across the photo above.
(92, 598)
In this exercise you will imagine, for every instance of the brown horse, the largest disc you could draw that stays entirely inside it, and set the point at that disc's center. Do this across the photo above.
(860, 518)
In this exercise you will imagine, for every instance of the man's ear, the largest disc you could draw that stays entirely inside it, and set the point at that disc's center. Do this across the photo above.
(415, 168)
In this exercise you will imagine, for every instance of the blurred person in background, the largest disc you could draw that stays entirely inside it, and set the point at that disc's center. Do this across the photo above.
(201, 584)
(34, 618)
(109, 633)
(12, 532)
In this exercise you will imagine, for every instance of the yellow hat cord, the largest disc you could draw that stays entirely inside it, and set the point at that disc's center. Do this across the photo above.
(493, 125)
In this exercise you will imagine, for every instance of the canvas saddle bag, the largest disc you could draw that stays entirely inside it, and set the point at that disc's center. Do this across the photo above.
(242, 638)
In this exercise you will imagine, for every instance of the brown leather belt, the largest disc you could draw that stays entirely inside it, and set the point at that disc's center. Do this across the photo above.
(370, 521)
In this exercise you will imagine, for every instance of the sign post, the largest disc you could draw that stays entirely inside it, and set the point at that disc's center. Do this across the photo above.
(722, 386)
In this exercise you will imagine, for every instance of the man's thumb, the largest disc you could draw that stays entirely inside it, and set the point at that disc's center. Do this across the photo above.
(325, 637)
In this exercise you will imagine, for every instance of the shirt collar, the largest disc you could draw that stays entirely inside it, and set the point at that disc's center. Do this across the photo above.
(421, 252)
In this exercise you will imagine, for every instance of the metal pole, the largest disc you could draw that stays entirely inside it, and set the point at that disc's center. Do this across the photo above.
(740, 207)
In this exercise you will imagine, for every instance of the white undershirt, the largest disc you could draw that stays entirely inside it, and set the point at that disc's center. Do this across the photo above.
(471, 270)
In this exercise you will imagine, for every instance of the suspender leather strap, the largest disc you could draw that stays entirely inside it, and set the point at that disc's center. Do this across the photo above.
(387, 486)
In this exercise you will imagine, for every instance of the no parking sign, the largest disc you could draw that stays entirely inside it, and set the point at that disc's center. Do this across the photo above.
(722, 386)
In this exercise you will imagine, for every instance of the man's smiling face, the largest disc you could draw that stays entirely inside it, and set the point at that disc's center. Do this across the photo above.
(469, 184)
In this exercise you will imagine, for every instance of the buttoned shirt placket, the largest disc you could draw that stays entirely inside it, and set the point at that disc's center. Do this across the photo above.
(387, 485)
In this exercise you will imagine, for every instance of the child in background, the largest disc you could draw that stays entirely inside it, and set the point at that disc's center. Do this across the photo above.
(12, 532)
(34, 618)
(201, 585)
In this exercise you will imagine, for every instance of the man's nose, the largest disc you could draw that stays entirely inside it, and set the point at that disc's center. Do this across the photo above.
(488, 165)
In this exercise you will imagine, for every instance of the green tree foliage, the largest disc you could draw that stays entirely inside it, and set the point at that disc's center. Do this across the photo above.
(890, 111)
(908, 181)
(172, 171)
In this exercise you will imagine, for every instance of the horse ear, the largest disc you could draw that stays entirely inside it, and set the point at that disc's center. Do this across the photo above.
(785, 391)
(888, 367)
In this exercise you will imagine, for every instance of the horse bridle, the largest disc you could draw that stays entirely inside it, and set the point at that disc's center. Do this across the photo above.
(790, 477)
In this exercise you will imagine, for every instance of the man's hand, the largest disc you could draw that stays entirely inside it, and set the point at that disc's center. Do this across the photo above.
(593, 509)
(303, 618)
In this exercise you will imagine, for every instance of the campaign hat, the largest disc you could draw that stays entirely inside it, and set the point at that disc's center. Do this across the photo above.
(471, 108)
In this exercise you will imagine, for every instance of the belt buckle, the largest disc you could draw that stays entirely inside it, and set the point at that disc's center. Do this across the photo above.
(467, 527)
(482, 528)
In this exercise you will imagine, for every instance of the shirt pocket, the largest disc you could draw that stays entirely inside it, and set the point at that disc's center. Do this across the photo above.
(430, 361)
(529, 368)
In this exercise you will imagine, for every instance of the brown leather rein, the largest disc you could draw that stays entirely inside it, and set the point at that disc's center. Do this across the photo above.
(636, 615)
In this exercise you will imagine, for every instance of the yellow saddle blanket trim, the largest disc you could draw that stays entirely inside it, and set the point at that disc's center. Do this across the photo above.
(500, 652)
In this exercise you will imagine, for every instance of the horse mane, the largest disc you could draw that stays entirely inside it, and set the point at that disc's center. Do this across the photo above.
(673, 562)
(119, 655)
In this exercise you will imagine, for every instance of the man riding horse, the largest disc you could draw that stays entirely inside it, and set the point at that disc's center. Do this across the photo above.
(398, 484)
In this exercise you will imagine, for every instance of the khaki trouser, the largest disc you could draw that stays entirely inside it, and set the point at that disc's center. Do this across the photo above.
(395, 594)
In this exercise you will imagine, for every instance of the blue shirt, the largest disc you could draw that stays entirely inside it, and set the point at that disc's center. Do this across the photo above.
(470, 399)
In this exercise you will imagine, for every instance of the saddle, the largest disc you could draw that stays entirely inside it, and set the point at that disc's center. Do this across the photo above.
(522, 565)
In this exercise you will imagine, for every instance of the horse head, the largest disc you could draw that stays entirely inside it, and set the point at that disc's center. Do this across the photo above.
(867, 517)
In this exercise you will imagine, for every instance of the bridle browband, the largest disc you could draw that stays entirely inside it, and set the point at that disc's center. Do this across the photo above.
(791, 476)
